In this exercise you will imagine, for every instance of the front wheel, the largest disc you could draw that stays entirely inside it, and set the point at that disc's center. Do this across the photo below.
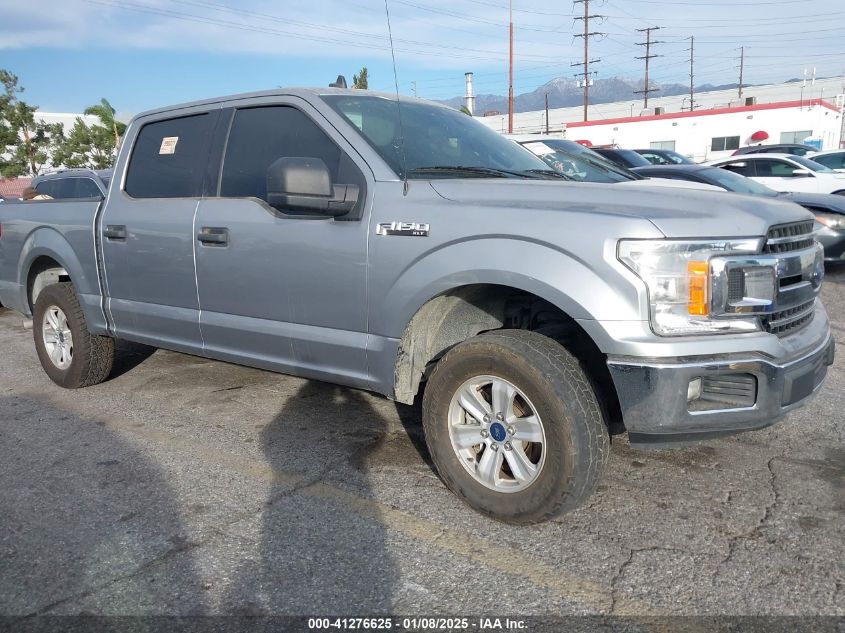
(513, 426)
(71, 356)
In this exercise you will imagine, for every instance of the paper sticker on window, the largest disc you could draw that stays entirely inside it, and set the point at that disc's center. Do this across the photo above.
(168, 145)
(540, 149)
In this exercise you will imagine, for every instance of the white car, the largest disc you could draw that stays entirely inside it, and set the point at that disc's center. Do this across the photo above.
(833, 158)
(785, 172)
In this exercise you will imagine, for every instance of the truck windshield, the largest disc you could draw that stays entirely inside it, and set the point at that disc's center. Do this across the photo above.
(438, 142)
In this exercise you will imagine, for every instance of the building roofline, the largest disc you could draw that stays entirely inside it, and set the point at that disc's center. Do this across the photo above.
(777, 105)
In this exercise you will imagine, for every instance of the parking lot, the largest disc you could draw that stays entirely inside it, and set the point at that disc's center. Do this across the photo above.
(191, 487)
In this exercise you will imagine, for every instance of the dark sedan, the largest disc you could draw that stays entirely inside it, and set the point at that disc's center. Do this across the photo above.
(781, 148)
(627, 158)
(664, 157)
(829, 209)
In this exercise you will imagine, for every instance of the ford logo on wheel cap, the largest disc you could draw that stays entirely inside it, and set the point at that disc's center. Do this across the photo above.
(497, 432)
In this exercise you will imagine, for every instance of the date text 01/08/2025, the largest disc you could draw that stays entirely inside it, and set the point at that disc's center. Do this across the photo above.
(417, 624)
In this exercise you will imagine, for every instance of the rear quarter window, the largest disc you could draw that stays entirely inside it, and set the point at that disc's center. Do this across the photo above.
(169, 158)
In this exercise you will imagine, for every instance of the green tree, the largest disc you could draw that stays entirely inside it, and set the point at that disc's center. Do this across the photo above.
(86, 146)
(105, 112)
(26, 144)
(361, 80)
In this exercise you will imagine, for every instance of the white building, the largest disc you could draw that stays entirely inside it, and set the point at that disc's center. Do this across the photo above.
(716, 127)
(68, 119)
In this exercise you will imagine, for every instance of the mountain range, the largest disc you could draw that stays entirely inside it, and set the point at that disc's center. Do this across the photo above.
(566, 93)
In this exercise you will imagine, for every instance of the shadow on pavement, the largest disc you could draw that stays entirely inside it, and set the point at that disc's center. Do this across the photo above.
(88, 524)
(129, 355)
(316, 554)
(411, 418)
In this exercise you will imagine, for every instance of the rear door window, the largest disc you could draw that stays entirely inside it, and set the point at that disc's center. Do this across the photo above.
(170, 157)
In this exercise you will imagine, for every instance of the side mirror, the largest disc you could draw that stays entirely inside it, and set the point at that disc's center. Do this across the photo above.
(305, 183)
(802, 173)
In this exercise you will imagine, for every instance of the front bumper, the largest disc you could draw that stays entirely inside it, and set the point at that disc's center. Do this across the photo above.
(654, 394)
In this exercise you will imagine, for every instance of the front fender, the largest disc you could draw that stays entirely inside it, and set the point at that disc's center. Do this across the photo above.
(598, 290)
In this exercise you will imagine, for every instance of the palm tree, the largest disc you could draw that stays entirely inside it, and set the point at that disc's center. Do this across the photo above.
(105, 113)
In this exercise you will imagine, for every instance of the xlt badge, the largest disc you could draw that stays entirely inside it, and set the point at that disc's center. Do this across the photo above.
(413, 229)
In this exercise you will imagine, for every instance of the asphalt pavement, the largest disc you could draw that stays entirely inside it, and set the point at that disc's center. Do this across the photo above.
(184, 486)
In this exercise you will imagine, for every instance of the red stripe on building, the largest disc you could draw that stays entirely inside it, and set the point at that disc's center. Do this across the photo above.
(778, 105)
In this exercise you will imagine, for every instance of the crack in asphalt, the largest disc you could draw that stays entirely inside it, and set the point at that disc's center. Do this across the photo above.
(621, 571)
(734, 541)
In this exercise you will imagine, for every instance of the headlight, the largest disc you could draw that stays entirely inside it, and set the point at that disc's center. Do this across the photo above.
(677, 275)
(831, 220)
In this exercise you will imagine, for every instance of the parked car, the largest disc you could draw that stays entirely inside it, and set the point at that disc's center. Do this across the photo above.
(796, 149)
(580, 163)
(623, 157)
(664, 157)
(833, 158)
(784, 172)
(70, 184)
(828, 209)
(309, 232)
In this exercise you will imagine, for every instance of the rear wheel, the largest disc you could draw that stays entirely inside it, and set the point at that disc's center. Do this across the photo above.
(71, 356)
(513, 426)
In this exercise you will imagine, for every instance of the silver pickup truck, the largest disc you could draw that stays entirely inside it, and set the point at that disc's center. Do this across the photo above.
(400, 246)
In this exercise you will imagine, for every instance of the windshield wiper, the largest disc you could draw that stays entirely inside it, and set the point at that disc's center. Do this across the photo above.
(549, 173)
(474, 171)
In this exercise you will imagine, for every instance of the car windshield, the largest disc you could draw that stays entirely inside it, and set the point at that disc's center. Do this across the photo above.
(812, 165)
(675, 157)
(435, 141)
(739, 184)
(577, 167)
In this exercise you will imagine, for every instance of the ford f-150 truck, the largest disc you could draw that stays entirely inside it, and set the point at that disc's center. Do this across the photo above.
(399, 246)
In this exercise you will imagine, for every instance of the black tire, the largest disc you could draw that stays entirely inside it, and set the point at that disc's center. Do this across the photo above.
(577, 442)
(92, 357)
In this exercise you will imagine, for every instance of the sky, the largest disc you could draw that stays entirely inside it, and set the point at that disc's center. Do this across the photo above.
(141, 54)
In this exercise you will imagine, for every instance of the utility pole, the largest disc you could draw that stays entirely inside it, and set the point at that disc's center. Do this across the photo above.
(547, 113)
(648, 43)
(691, 73)
(741, 68)
(510, 69)
(587, 34)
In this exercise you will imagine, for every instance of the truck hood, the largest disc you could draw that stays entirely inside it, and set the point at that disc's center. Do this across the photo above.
(674, 211)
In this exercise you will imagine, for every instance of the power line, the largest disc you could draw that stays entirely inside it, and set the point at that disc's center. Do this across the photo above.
(587, 34)
(692, 73)
(647, 57)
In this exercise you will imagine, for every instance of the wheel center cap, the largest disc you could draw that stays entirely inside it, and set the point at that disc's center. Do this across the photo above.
(498, 432)
(61, 337)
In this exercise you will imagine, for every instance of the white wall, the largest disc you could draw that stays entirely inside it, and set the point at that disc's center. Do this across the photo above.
(693, 135)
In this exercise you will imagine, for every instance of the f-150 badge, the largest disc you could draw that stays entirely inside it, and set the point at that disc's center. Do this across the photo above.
(412, 229)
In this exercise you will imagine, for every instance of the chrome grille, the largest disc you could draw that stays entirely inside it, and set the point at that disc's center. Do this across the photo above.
(785, 238)
(785, 321)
